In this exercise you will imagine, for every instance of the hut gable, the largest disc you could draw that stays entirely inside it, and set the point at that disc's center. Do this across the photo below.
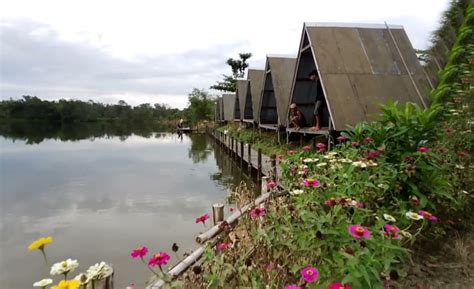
(360, 66)
(228, 102)
(245, 100)
(256, 78)
(276, 93)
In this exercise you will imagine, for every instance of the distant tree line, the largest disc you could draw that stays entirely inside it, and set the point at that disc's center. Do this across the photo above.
(69, 111)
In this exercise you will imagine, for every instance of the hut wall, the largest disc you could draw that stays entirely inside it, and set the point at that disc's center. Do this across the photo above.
(268, 109)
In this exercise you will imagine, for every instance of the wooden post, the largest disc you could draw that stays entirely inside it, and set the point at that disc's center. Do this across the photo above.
(241, 154)
(217, 213)
(249, 158)
(264, 184)
(273, 166)
(259, 164)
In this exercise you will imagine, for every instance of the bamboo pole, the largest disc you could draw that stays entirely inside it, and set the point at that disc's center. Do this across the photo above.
(241, 154)
(231, 219)
(273, 165)
(249, 159)
(259, 164)
(217, 213)
(182, 266)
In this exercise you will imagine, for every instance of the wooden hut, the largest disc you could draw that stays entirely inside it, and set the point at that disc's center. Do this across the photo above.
(359, 66)
(279, 71)
(245, 100)
(256, 78)
(228, 103)
(218, 110)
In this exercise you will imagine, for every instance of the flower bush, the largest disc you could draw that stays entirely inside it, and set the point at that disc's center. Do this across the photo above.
(95, 273)
(354, 212)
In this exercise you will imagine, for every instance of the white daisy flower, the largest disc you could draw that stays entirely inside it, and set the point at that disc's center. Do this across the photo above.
(296, 192)
(413, 216)
(43, 283)
(66, 266)
(389, 218)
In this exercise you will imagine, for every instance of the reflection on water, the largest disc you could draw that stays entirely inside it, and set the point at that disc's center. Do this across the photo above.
(103, 195)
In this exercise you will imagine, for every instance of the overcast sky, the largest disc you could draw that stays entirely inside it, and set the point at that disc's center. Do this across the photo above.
(157, 51)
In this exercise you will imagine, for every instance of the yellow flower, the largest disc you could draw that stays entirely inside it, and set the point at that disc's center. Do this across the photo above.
(39, 244)
(68, 284)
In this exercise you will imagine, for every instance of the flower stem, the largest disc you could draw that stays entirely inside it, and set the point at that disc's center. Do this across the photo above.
(149, 268)
(46, 263)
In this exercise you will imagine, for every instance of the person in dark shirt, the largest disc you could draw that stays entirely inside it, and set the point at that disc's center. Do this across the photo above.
(319, 100)
(297, 119)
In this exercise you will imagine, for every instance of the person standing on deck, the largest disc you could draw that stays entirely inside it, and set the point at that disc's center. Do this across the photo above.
(319, 100)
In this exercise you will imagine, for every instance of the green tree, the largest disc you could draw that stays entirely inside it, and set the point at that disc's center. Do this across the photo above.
(201, 105)
(238, 67)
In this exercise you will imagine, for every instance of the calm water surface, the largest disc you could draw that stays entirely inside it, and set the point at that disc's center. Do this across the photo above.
(100, 197)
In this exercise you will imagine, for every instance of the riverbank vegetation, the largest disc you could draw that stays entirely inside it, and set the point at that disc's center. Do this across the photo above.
(353, 216)
(31, 108)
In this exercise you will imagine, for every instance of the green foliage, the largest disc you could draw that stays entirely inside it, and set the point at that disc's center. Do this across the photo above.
(72, 111)
(201, 106)
(412, 159)
(238, 67)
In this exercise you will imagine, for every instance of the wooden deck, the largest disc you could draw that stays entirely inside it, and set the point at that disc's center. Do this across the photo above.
(268, 126)
(249, 158)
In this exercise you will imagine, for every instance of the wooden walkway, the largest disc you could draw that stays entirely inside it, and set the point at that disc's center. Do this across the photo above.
(262, 164)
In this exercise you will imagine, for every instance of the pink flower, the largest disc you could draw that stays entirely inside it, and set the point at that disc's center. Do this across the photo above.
(159, 259)
(279, 157)
(310, 274)
(290, 152)
(339, 286)
(331, 202)
(409, 158)
(223, 246)
(258, 212)
(359, 232)
(231, 210)
(292, 287)
(139, 252)
(428, 216)
(202, 219)
(368, 140)
(372, 154)
(423, 149)
(342, 138)
(321, 147)
(355, 144)
(311, 183)
(306, 148)
(271, 185)
(391, 231)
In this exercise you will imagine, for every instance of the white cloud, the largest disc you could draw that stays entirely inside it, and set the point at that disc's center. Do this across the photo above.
(170, 47)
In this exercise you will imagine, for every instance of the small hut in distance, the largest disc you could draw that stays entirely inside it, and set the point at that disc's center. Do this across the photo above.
(228, 103)
(359, 66)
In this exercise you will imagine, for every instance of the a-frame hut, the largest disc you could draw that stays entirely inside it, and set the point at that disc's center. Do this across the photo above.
(279, 71)
(360, 66)
(218, 110)
(228, 102)
(237, 116)
(256, 78)
(245, 100)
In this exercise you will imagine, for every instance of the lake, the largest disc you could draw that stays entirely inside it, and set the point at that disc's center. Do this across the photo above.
(102, 194)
